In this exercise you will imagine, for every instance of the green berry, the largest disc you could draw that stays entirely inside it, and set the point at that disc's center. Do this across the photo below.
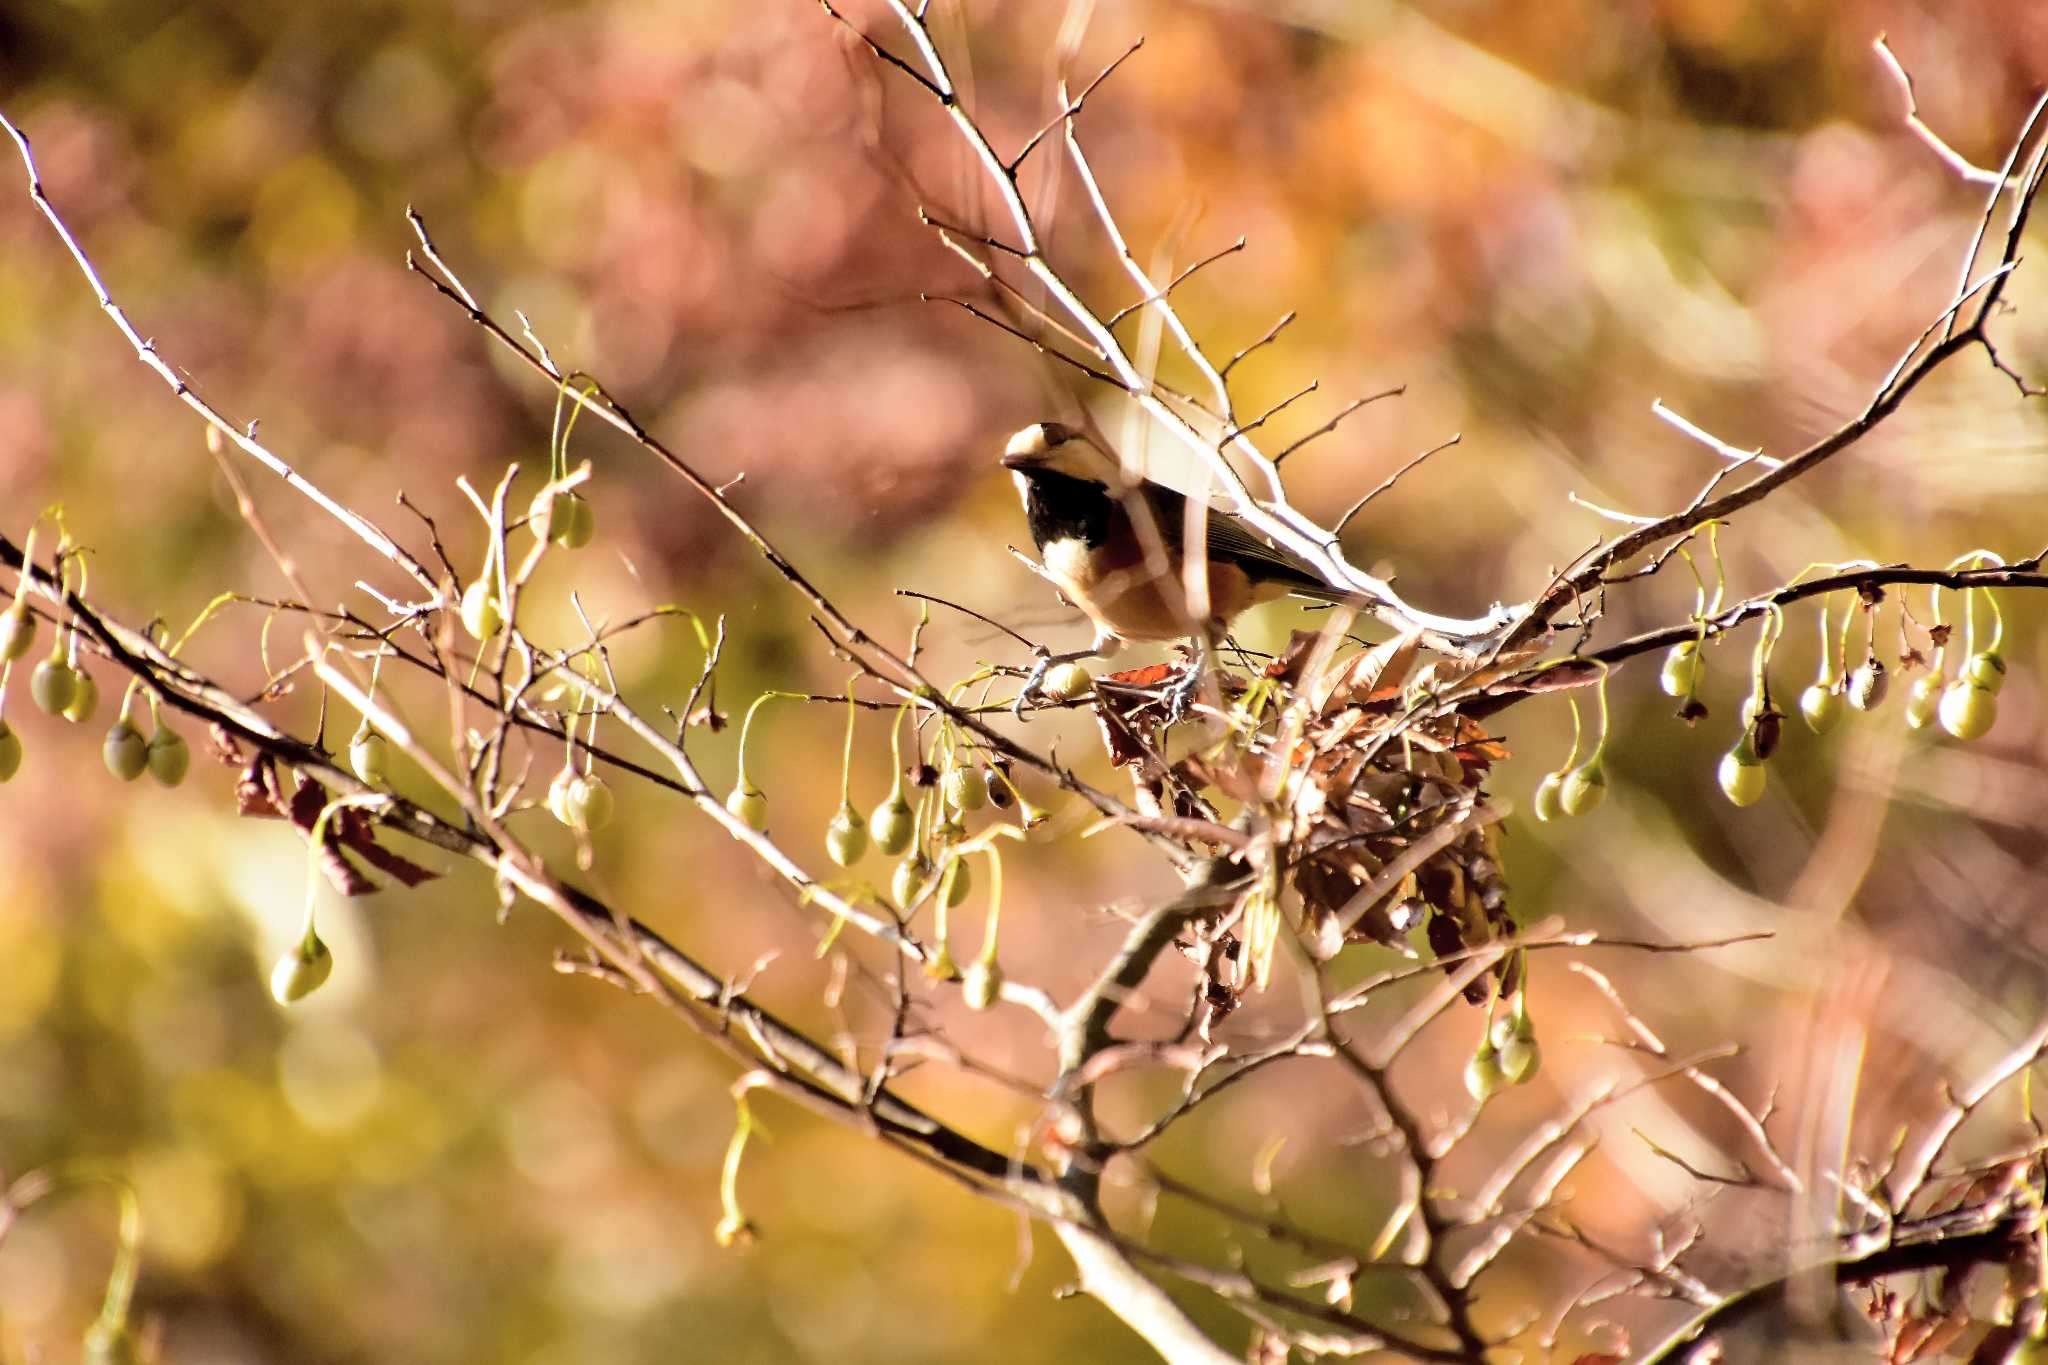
(1742, 775)
(846, 838)
(1986, 668)
(1502, 1029)
(84, 700)
(17, 631)
(571, 521)
(53, 684)
(1923, 698)
(750, 804)
(1067, 682)
(588, 804)
(125, 752)
(1681, 673)
(1968, 711)
(983, 985)
(1585, 787)
(558, 793)
(955, 882)
(10, 751)
(301, 971)
(1482, 1073)
(168, 757)
(482, 617)
(369, 754)
(1520, 1057)
(1547, 804)
(893, 825)
(111, 1343)
(1821, 705)
(911, 877)
(965, 788)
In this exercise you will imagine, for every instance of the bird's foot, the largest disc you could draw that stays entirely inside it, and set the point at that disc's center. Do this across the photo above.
(1035, 680)
(1181, 696)
(1032, 683)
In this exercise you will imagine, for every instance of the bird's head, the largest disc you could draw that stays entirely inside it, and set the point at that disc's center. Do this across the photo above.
(1056, 448)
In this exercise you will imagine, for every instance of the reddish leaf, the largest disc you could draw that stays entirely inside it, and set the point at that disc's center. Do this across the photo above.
(1119, 738)
(1289, 662)
(1151, 675)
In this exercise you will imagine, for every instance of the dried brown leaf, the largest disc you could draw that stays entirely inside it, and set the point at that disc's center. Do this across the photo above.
(1370, 675)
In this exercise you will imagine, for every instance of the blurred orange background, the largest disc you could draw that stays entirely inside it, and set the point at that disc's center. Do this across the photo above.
(1536, 218)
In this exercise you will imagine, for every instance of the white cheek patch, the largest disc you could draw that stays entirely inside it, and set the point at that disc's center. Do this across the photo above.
(1068, 561)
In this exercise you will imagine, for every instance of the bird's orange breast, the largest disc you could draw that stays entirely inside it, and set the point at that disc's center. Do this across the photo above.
(1137, 597)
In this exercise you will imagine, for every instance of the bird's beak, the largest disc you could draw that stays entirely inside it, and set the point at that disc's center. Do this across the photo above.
(1033, 446)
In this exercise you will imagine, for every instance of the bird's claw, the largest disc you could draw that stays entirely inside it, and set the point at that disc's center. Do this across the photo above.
(1031, 684)
(1180, 698)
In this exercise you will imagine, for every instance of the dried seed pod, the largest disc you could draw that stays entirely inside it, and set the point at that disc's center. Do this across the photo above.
(1765, 731)
(1868, 684)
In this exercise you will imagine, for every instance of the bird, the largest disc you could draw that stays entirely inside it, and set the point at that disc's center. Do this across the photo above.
(1124, 567)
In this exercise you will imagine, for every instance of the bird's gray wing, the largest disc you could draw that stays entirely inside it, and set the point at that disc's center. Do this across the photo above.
(1230, 539)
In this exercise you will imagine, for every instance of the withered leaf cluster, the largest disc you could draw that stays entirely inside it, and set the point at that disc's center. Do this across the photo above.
(260, 792)
(1368, 796)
